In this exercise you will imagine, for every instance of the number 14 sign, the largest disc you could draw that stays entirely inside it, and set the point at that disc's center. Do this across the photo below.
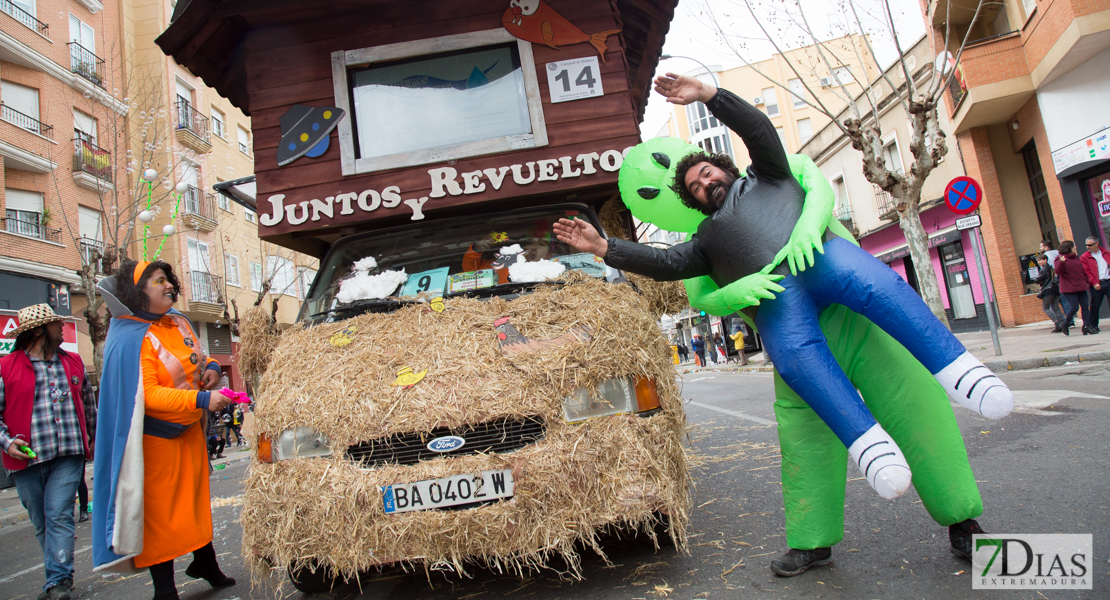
(574, 79)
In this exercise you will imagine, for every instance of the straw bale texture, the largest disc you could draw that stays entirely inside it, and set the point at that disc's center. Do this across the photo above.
(663, 297)
(622, 470)
(257, 339)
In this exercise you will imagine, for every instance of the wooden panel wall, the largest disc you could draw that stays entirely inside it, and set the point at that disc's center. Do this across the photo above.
(292, 65)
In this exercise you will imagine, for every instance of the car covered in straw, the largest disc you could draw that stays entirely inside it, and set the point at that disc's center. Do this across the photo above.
(498, 424)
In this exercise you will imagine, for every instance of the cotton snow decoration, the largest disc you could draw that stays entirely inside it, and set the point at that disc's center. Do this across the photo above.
(365, 264)
(514, 249)
(364, 286)
(529, 272)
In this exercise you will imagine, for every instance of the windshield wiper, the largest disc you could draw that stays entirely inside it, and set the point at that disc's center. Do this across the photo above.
(495, 290)
(369, 305)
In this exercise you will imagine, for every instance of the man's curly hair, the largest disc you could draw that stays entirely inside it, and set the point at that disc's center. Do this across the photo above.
(721, 161)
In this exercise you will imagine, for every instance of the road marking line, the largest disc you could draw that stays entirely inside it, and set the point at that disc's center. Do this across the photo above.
(37, 567)
(733, 413)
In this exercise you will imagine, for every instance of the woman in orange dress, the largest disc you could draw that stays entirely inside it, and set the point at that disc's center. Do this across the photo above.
(177, 509)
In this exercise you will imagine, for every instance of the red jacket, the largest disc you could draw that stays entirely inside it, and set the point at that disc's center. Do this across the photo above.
(1072, 279)
(1090, 265)
(19, 397)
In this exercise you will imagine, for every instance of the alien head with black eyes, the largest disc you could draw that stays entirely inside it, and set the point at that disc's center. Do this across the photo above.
(698, 179)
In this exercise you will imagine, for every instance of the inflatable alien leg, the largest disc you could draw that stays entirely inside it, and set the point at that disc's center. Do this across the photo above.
(904, 398)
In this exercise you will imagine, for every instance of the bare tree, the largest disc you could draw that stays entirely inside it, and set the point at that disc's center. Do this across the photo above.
(271, 269)
(133, 133)
(783, 21)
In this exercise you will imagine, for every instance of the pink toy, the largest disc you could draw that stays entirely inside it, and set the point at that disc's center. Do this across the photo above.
(236, 397)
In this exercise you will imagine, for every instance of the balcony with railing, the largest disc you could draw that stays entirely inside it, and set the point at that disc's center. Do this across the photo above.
(83, 62)
(192, 127)
(23, 16)
(843, 214)
(27, 122)
(92, 166)
(32, 227)
(886, 205)
(205, 301)
(92, 253)
(198, 210)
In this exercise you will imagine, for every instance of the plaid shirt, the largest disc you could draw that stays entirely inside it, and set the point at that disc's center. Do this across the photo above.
(55, 428)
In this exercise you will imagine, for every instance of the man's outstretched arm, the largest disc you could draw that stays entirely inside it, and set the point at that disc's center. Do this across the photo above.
(681, 261)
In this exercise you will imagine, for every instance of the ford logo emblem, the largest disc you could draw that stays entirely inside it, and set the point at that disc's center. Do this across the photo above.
(446, 443)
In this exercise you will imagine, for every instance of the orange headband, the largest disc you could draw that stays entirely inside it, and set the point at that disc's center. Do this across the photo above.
(139, 268)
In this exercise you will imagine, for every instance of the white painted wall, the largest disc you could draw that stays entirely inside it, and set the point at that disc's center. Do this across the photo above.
(1074, 106)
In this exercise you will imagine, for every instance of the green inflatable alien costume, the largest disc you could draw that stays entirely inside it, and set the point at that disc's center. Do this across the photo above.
(901, 394)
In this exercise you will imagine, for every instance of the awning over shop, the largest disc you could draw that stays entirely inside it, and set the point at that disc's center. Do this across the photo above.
(939, 238)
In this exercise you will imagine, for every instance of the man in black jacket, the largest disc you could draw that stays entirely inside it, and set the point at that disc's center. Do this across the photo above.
(755, 222)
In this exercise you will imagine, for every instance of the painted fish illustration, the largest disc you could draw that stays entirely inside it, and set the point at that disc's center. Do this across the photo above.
(535, 21)
(477, 78)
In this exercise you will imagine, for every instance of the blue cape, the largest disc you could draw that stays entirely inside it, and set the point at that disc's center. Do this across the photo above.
(119, 385)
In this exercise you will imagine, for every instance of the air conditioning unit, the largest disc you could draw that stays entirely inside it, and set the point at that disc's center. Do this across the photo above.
(826, 82)
(757, 100)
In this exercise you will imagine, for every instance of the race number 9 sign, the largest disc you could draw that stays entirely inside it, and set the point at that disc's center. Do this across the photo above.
(574, 79)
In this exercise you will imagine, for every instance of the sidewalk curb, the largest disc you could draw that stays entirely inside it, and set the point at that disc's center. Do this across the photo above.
(1059, 360)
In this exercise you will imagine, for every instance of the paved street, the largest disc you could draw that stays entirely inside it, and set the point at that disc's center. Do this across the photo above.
(1042, 470)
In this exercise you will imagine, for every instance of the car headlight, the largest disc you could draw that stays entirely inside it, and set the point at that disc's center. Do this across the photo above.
(620, 395)
(300, 442)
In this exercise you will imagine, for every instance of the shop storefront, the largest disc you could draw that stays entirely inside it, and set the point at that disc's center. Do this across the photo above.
(952, 260)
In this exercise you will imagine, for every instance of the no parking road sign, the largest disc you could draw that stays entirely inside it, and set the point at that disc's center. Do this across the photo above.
(963, 195)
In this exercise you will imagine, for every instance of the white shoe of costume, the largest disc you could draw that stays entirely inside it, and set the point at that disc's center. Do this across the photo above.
(881, 462)
(970, 383)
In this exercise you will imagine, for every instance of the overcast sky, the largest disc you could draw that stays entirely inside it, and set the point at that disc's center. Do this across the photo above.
(693, 34)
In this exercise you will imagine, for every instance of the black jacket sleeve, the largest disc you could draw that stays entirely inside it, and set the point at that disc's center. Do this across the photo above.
(681, 261)
(759, 135)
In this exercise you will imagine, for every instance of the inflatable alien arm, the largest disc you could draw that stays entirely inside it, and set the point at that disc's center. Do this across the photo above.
(816, 216)
(703, 291)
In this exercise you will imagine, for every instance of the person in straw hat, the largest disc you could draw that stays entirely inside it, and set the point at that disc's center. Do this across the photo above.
(48, 412)
(151, 473)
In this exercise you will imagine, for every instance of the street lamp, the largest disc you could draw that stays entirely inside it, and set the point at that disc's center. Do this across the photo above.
(707, 69)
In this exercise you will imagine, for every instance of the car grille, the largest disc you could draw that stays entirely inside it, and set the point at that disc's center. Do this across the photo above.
(496, 437)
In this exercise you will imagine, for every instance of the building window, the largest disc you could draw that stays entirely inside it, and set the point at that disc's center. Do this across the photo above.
(231, 269)
(771, 102)
(21, 107)
(24, 12)
(305, 277)
(89, 223)
(250, 215)
(797, 92)
(82, 33)
(844, 75)
(805, 129)
(284, 275)
(84, 127)
(244, 141)
(419, 105)
(256, 277)
(706, 131)
(1040, 193)
(24, 213)
(782, 135)
(219, 123)
(892, 155)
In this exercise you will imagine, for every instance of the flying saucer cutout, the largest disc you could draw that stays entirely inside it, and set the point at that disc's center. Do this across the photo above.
(305, 130)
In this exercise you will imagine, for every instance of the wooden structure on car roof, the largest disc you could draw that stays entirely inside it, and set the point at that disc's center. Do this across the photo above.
(266, 56)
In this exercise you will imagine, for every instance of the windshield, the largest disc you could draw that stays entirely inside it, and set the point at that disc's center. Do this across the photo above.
(482, 254)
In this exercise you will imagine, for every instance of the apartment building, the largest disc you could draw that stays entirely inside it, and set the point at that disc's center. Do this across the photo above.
(215, 248)
(1027, 112)
(60, 96)
(781, 86)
